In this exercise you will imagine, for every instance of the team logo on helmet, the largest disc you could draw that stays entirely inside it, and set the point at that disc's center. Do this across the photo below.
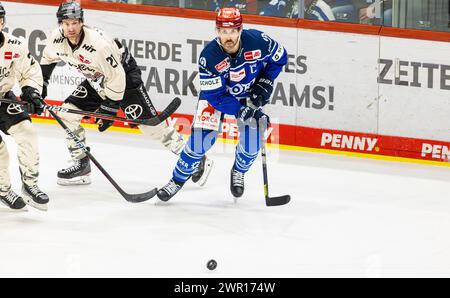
(133, 111)
(229, 18)
(14, 109)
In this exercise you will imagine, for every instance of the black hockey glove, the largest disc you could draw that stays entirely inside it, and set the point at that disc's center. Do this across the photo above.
(109, 107)
(261, 92)
(33, 98)
(247, 113)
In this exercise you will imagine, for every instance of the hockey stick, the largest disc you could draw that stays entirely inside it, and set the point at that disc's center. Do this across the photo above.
(133, 198)
(270, 201)
(156, 120)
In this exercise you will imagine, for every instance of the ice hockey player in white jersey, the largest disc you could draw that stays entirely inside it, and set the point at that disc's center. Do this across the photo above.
(16, 64)
(113, 81)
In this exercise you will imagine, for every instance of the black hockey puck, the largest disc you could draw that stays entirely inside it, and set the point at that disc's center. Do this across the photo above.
(212, 264)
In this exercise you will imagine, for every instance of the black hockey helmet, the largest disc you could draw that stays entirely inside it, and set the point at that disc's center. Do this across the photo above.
(69, 10)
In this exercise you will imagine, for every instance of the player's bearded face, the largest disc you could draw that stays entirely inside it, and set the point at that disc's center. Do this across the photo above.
(229, 39)
(72, 28)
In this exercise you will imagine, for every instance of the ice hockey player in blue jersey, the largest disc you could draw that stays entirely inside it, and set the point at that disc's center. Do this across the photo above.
(237, 72)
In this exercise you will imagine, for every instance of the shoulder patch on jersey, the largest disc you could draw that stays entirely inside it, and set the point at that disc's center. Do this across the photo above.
(267, 39)
(202, 61)
(210, 84)
(279, 53)
(223, 65)
(251, 55)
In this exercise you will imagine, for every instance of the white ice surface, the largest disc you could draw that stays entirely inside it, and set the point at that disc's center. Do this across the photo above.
(348, 217)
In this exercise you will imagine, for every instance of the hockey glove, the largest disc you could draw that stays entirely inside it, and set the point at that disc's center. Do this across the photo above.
(109, 107)
(33, 98)
(261, 92)
(247, 113)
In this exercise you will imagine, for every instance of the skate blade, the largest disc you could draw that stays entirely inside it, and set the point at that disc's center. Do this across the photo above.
(41, 207)
(30, 202)
(82, 180)
(208, 167)
(24, 209)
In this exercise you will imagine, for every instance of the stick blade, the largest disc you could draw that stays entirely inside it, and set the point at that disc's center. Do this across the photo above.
(278, 201)
(166, 113)
(139, 198)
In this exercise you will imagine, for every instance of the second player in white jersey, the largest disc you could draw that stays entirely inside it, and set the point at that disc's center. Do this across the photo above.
(17, 65)
(113, 81)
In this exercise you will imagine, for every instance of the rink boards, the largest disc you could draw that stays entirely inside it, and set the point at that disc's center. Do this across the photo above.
(365, 94)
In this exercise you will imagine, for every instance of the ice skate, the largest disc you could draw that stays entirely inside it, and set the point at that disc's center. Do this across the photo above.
(77, 174)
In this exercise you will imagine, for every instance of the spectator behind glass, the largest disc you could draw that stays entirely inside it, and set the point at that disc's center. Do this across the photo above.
(361, 11)
(367, 15)
(215, 5)
(314, 9)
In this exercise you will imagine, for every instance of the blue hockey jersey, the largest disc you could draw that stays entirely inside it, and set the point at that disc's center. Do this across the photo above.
(224, 79)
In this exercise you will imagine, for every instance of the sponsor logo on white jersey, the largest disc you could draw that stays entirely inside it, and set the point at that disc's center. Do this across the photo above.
(84, 59)
(4, 72)
(11, 55)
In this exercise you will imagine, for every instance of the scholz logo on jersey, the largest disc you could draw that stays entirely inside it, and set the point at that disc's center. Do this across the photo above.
(210, 84)
(252, 55)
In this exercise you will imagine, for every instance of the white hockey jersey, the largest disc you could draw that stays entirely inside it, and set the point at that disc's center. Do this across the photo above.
(97, 58)
(17, 64)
